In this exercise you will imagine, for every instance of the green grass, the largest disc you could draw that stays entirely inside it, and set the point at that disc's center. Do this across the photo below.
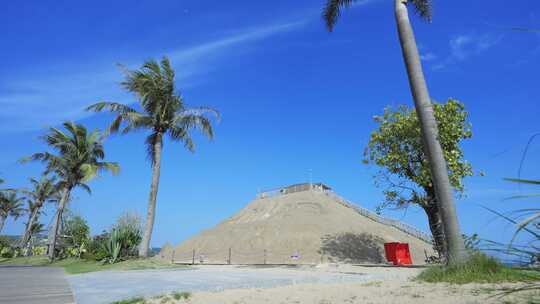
(479, 269)
(74, 266)
(137, 300)
(163, 299)
(181, 295)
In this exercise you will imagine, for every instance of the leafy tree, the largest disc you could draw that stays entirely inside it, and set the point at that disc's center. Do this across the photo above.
(76, 231)
(396, 147)
(163, 114)
(10, 205)
(424, 109)
(78, 159)
(43, 191)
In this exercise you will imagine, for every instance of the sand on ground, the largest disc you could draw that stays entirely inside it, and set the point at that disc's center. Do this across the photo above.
(396, 286)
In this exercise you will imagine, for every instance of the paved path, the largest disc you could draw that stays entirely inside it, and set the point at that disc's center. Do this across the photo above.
(108, 286)
(33, 285)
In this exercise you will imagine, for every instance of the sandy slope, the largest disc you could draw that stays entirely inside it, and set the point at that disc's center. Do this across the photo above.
(303, 227)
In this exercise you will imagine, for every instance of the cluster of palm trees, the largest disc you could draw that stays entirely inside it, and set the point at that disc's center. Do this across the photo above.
(79, 155)
(76, 155)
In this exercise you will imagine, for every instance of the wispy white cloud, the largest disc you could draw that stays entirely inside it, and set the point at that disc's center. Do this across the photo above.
(47, 98)
(465, 46)
(429, 56)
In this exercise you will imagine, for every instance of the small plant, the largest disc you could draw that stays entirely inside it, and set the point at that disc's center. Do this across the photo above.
(181, 295)
(165, 300)
(137, 300)
(112, 246)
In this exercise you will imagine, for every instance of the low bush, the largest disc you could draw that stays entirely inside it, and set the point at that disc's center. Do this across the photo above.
(120, 243)
(479, 269)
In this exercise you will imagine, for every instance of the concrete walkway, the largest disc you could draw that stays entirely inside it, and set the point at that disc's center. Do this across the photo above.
(107, 286)
(33, 285)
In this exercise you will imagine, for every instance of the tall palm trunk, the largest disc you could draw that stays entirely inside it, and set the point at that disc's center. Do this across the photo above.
(2, 221)
(25, 239)
(456, 250)
(56, 223)
(151, 213)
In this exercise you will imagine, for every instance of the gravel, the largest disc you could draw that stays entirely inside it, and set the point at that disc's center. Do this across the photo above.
(109, 286)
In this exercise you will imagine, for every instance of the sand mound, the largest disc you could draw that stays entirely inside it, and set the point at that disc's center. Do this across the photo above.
(304, 227)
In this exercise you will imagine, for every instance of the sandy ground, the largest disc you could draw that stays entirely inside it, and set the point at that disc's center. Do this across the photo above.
(396, 287)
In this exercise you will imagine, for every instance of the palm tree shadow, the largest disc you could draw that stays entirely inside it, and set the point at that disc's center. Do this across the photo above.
(352, 248)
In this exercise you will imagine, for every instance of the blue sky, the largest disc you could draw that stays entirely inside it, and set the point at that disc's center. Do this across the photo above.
(293, 98)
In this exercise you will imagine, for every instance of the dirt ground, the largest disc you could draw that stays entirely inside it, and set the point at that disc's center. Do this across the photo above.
(396, 286)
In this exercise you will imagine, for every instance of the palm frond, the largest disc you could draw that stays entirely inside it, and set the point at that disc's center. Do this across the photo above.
(332, 11)
(515, 197)
(150, 142)
(524, 228)
(78, 157)
(523, 181)
(177, 133)
(424, 8)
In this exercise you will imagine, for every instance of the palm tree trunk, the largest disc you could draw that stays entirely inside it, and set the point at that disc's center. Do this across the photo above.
(27, 231)
(2, 221)
(151, 213)
(456, 250)
(56, 223)
(436, 228)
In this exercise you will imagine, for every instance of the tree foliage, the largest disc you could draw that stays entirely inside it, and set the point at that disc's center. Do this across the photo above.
(396, 148)
(75, 230)
(11, 204)
(163, 108)
(79, 156)
(332, 10)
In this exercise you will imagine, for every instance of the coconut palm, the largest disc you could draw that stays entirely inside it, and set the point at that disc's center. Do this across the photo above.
(163, 114)
(78, 159)
(43, 190)
(456, 252)
(10, 205)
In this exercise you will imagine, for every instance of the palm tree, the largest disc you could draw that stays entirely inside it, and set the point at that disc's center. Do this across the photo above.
(36, 229)
(10, 205)
(456, 252)
(43, 190)
(78, 159)
(163, 114)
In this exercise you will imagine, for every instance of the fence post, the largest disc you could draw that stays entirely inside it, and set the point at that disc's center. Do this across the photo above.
(193, 260)
(172, 256)
(229, 260)
(265, 256)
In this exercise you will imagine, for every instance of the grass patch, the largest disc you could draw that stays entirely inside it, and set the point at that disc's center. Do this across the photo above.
(75, 266)
(181, 295)
(160, 299)
(479, 269)
(137, 300)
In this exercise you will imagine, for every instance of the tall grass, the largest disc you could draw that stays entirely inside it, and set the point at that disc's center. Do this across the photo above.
(479, 269)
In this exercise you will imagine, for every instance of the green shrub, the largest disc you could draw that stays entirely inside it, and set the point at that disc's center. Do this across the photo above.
(181, 295)
(129, 229)
(137, 300)
(95, 248)
(39, 250)
(480, 269)
(76, 234)
(7, 252)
